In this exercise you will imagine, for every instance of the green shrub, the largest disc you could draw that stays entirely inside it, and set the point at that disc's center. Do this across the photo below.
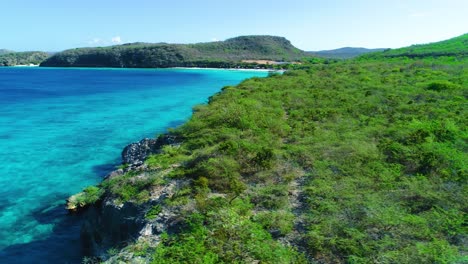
(278, 222)
(271, 197)
(88, 196)
(441, 86)
(153, 212)
(169, 155)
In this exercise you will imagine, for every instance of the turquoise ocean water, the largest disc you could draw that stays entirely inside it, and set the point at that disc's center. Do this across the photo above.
(63, 129)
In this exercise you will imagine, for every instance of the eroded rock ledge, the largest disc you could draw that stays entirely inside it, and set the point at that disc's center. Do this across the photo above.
(136, 153)
(109, 223)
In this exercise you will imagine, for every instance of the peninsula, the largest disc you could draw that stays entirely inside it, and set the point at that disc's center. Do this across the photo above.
(357, 161)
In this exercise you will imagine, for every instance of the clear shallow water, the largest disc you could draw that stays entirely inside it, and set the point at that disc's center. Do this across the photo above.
(63, 129)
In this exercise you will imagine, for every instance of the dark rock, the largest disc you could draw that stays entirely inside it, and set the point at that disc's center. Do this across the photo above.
(108, 225)
(136, 153)
(111, 225)
(114, 174)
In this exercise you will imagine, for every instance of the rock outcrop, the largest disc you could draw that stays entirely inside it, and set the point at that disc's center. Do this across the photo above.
(136, 153)
(108, 225)
(111, 224)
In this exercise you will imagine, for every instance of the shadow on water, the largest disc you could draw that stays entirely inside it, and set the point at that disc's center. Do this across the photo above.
(175, 123)
(102, 170)
(61, 246)
(4, 204)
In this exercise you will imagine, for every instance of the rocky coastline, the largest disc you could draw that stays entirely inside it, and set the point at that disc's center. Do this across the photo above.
(110, 225)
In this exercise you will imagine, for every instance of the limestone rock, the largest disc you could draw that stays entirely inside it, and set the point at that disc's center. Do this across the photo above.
(136, 153)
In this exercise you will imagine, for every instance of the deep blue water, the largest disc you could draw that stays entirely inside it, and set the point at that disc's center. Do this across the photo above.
(63, 129)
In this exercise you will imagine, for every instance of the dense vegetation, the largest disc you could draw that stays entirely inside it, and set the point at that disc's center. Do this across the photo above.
(343, 53)
(457, 47)
(221, 54)
(23, 58)
(360, 161)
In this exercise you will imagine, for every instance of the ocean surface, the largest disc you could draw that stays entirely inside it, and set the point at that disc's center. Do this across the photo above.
(63, 129)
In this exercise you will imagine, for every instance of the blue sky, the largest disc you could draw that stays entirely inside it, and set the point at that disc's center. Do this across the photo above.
(54, 25)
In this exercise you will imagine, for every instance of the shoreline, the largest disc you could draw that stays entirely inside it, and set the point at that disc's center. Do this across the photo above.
(228, 69)
(24, 65)
(170, 68)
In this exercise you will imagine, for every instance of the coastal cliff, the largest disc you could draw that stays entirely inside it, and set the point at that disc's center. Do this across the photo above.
(354, 161)
(111, 223)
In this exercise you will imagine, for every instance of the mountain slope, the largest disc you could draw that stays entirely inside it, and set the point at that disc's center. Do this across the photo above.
(343, 53)
(160, 55)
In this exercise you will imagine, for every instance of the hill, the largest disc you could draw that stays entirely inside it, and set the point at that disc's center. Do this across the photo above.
(356, 161)
(457, 46)
(160, 55)
(23, 58)
(5, 51)
(343, 53)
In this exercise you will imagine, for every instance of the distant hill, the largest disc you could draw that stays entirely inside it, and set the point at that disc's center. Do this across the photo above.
(23, 58)
(343, 53)
(160, 55)
(457, 46)
(5, 51)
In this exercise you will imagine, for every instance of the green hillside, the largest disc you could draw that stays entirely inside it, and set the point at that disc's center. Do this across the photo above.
(342, 53)
(250, 47)
(358, 161)
(23, 58)
(457, 46)
(214, 54)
